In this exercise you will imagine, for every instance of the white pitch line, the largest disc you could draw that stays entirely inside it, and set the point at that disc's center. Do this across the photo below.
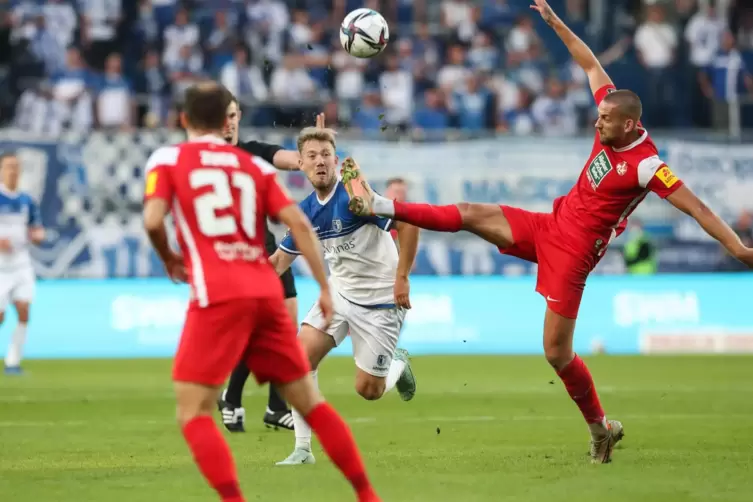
(405, 420)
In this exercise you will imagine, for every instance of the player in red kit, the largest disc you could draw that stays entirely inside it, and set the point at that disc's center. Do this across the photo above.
(567, 243)
(220, 198)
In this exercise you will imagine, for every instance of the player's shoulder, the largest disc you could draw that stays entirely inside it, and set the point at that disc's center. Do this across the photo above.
(164, 156)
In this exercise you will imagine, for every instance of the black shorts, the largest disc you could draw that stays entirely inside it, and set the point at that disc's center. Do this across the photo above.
(288, 282)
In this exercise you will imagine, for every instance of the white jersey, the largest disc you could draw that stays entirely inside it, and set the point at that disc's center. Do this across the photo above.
(18, 212)
(360, 252)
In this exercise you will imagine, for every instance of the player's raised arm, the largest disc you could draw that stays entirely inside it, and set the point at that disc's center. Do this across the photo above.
(687, 202)
(580, 52)
(407, 241)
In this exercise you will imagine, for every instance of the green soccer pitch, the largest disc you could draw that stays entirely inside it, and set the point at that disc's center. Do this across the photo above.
(479, 429)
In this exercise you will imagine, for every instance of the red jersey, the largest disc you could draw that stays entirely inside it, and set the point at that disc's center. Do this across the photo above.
(613, 182)
(220, 198)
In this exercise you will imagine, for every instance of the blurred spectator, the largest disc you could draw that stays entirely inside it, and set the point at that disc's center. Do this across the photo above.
(154, 84)
(115, 104)
(243, 79)
(553, 113)
(497, 16)
(368, 117)
(519, 120)
(349, 82)
(727, 78)
(71, 98)
(147, 28)
(459, 16)
(396, 86)
(178, 36)
(62, 21)
(100, 21)
(268, 21)
(46, 47)
(432, 114)
(454, 74)
(483, 56)
(220, 46)
(522, 40)
(185, 70)
(291, 82)
(703, 34)
(656, 43)
(300, 31)
(473, 105)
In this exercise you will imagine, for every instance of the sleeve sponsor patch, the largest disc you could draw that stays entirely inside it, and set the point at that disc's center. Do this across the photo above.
(666, 176)
(151, 183)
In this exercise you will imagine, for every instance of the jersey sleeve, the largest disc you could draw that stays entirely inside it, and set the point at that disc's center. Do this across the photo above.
(266, 151)
(656, 176)
(35, 217)
(158, 173)
(383, 223)
(602, 92)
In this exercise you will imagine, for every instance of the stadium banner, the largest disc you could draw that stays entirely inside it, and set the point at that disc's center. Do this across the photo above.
(126, 318)
(90, 191)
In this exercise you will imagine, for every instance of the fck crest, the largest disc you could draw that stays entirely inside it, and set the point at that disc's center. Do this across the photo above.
(622, 168)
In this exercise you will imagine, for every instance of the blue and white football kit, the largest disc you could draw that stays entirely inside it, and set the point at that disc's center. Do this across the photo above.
(362, 260)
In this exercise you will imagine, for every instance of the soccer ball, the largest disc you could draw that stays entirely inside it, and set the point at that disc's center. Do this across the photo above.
(364, 33)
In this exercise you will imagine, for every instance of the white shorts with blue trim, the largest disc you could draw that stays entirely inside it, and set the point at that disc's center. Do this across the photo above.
(16, 285)
(374, 332)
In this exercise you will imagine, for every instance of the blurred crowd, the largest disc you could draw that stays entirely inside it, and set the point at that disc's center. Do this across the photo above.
(472, 65)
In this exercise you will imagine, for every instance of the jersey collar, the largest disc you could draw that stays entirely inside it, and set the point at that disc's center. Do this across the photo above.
(208, 138)
(328, 197)
(633, 144)
(7, 191)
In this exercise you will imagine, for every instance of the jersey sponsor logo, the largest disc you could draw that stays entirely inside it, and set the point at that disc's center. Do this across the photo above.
(218, 159)
(345, 246)
(622, 168)
(666, 176)
(151, 183)
(337, 225)
(598, 169)
(238, 251)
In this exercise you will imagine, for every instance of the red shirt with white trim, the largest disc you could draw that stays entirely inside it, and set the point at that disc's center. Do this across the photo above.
(613, 182)
(220, 198)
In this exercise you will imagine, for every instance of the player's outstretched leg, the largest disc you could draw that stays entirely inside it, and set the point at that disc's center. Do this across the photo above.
(485, 220)
(333, 433)
(558, 348)
(230, 402)
(210, 451)
(400, 375)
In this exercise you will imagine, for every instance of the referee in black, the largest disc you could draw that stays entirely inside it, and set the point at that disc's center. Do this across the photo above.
(278, 414)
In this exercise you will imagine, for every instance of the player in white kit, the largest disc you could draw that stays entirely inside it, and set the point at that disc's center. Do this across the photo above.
(20, 225)
(369, 284)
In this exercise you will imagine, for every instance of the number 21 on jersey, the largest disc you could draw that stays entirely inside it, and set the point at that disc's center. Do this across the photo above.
(220, 198)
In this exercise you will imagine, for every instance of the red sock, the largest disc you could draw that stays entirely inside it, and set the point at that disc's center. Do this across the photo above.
(437, 218)
(337, 441)
(580, 386)
(212, 454)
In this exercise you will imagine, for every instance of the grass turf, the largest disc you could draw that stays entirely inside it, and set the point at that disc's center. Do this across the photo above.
(479, 429)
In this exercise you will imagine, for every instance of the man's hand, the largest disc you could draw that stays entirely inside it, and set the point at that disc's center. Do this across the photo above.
(5, 246)
(402, 292)
(325, 304)
(175, 268)
(547, 14)
(320, 121)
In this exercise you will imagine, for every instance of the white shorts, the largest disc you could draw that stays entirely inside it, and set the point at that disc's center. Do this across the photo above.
(373, 332)
(16, 286)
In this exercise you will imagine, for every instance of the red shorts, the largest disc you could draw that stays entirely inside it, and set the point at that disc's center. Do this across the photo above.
(258, 331)
(562, 271)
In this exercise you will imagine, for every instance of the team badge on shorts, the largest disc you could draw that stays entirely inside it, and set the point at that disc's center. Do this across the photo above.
(622, 168)
(381, 361)
(337, 225)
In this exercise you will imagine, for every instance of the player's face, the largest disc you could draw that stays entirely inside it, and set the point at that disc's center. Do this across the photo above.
(611, 124)
(231, 127)
(319, 162)
(10, 171)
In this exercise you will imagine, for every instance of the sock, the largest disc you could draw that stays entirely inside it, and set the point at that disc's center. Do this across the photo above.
(16, 348)
(234, 394)
(437, 218)
(212, 454)
(580, 386)
(337, 441)
(383, 206)
(396, 370)
(276, 403)
(302, 428)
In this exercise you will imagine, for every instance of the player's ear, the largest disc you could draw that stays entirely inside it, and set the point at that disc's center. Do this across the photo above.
(183, 120)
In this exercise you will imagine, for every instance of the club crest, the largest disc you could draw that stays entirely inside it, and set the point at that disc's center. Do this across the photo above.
(337, 225)
(622, 168)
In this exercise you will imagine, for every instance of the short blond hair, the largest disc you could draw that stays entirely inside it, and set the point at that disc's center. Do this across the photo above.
(316, 134)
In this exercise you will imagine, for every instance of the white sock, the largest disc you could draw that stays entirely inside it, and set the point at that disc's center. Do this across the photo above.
(598, 430)
(302, 428)
(383, 206)
(396, 370)
(16, 348)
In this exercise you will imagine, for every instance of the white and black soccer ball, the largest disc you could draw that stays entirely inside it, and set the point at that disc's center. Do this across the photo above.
(364, 33)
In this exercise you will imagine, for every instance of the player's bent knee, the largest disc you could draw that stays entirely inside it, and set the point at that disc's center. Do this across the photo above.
(194, 400)
(370, 387)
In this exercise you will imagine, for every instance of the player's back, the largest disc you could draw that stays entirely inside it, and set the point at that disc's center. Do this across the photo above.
(221, 197)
